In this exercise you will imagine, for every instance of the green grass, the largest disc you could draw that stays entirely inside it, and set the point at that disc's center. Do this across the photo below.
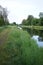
(19, 49)
(1, 29)
(33, 27)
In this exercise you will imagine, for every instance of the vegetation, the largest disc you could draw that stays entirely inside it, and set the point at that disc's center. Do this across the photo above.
(33, 27)
(3, 17)
(16, 45)
(1, 29)
(14, 23)
(33, 21)
(20, 49)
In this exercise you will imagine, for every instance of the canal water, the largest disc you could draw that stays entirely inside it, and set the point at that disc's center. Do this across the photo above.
(36, 35)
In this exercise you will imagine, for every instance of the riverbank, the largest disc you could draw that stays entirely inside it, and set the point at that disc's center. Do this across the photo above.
(33, 27)
(16, 47)
(19, 49)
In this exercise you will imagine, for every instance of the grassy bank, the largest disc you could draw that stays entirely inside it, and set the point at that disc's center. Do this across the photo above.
(33, 27)
(19, 49)
(1, 29)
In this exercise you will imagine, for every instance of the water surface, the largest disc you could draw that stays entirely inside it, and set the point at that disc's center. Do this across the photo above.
(36, 35)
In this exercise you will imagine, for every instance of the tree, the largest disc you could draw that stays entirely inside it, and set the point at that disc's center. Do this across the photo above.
(41, 18)
(41, 21)
(30, 19)
(3, 16)
(24, 22)
(35, 22)
(2, 21)
(14, 23)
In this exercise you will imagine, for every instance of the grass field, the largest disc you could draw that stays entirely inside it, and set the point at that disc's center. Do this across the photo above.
(17, 47)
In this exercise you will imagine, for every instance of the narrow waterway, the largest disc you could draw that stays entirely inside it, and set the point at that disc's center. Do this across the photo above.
(36, 35)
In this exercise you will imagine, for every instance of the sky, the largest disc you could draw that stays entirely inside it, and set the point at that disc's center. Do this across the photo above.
(20, 9)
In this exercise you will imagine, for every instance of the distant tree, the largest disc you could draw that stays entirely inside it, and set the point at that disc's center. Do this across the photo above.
(14, 23)
(2, 21)
(41, 18)
(3, 16)
(35, 21)
(30, 19)
(41, 21)
(41, 14)
(24, 22)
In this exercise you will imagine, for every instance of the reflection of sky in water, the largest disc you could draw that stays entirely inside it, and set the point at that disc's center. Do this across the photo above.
(40, 43)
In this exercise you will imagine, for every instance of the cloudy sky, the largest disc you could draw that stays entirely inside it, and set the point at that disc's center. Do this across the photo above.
(20, 9)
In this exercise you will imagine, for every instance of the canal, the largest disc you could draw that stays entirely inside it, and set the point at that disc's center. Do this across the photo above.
(37, 35)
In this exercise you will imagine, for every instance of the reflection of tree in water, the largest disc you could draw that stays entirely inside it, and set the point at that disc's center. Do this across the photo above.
(35, 32)
(41, 35)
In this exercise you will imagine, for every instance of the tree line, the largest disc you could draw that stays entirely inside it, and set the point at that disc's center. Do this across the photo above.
(4, 17)
(31, 20)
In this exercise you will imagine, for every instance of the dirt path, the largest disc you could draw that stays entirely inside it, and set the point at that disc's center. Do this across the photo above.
(4, 35)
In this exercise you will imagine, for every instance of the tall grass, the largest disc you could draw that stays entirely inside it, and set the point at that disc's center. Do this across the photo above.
(19, 49)
(2, 28)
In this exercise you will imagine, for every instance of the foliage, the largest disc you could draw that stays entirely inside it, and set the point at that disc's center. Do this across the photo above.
(2, 21)
(3, 16)
(41, 21)
(39, 57)
(28, 21)
(33, 21)
(14, 23)
(19, 49)
(24, 22)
